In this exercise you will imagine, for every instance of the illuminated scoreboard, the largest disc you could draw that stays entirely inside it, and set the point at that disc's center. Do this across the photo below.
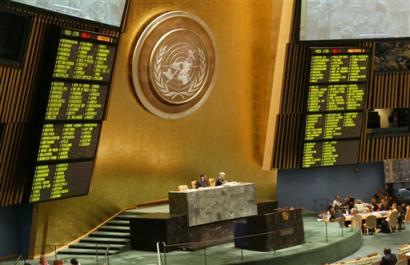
(327, 126)
(84, 56)
(330, 153)
(76, 101)
(335, 97)
(79, 82)
(68, 141)
(62, 180)
(334, 107)
(336, 65)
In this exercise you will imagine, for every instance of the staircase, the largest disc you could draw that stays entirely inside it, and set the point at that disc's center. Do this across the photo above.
(110, 238)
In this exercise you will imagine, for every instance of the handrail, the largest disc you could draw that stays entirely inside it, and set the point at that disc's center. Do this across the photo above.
(107, 255)
(18, 258)
(207, 243)
(159, 251)
(150, 203)
(55, 253)
(66, 245)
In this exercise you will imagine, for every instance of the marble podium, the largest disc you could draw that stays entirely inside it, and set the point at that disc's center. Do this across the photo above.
(214, 204)
(148, 229)
(284, 228)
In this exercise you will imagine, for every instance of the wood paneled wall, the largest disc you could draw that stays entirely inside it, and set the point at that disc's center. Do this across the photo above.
(384, 91)
(18, 103)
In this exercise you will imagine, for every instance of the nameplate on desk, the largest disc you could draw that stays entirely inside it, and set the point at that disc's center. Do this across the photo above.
(287, 231)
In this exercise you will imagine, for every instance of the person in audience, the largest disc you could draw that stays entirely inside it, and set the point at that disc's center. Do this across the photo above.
(202, 182)
(348, 202)
(43, 260)
(337, 203)
(388, 258)
(332, 213)
(374, 202)
(74, 261)
(380, 193)
(220, 180)
(383, 205)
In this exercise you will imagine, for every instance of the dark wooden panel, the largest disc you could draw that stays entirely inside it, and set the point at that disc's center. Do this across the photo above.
(380, 148)
(385, 90)
(148, 229)
(288, 141)
(18, 98)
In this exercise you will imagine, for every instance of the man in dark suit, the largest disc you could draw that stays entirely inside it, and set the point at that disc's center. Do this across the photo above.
(388, 258)
(202, 182)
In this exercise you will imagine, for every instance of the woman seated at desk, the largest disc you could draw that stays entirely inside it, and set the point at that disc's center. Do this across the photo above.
(220, 180)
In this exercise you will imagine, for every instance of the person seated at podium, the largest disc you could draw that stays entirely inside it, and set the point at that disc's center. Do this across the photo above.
(220, 180)
(202, 182)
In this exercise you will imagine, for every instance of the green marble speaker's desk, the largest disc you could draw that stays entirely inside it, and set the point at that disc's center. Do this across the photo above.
(214, 204)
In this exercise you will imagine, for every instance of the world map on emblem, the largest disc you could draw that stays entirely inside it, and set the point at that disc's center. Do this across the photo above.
(173, 65)
(178, 72)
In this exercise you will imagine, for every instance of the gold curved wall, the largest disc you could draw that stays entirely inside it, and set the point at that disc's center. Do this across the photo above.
(141, 157)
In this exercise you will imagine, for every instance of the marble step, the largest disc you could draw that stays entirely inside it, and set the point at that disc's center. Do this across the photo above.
(105, 240)
(126, 216)
(110, 234)
(86, 251)
(99, 245)
(118, 222)
(114, 228)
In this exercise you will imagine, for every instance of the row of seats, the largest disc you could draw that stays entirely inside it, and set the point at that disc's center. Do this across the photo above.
(371, 222)
(371, 259)
(403, 250)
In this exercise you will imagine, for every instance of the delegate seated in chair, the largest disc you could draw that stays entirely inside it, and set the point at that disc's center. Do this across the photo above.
(220, 180)
(202, 182)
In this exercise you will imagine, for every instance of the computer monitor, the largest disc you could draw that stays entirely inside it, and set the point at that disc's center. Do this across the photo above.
(14, 30)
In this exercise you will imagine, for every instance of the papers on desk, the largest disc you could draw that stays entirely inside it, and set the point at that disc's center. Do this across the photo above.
(378, 214)
(231, 183)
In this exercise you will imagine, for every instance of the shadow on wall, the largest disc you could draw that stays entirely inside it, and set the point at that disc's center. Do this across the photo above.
(301, 187)
(15, 224)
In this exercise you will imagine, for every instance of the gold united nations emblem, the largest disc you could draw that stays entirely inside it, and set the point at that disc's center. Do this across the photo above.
(173, 64)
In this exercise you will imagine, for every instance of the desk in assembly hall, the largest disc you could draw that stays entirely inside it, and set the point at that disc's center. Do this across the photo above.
(214, 204)
(196, 216)
(348, 217)
(378, 214)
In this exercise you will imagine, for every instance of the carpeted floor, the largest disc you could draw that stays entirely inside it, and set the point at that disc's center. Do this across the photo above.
(376, 243)
(316, 251)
